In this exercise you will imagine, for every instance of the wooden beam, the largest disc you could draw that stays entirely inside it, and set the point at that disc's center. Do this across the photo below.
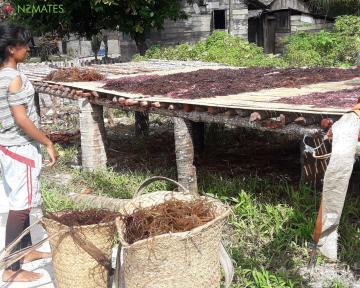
(239, 120)
(294, 130)
(99, 202)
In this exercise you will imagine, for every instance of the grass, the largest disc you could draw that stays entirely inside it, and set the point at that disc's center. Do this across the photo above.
(270, 227)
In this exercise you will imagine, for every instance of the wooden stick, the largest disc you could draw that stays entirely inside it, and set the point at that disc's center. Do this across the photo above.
(100, 202)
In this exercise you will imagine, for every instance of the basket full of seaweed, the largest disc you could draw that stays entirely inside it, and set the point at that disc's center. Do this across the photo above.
(81, 245)
(171, 239)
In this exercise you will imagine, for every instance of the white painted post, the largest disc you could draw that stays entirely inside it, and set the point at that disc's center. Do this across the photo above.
(93, 136)
(184, 150)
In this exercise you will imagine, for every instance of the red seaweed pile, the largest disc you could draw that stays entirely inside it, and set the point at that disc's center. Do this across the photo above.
(337, 99)
(86, 217)
(209, 83)
(171, 216)
(74, 75)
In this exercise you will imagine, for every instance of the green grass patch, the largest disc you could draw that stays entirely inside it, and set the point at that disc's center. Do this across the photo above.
(269, 229)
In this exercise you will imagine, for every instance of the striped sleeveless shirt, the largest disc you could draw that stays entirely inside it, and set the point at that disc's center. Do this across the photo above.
(10, 133)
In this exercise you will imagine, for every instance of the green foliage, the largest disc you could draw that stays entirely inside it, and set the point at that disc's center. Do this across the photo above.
(220, 47)
(269, 230)
(264, 279)
(54, 198)
(348, 25)
(138, 16)
(334, 8)
(337, 48)
(316, 49)
(48, 45)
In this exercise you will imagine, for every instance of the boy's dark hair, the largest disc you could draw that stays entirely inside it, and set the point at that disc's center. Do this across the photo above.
(11, 35)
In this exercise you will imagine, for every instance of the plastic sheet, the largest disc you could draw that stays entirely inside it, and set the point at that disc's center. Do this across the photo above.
(336, 181)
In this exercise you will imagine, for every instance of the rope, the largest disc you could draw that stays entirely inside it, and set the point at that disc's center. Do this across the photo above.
(6, 258)
(313, 150)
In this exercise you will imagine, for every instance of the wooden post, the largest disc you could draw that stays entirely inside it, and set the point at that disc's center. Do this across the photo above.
(302, 162)
(53, 107)
(313, 170)
(184, 150)
(37, 104)
(198, 137)
(93, 138)
(141, 123)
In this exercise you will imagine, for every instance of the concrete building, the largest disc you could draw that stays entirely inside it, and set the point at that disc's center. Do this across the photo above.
(264, 22)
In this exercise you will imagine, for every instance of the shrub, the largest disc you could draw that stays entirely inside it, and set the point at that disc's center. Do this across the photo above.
(306, 49)
(337, 48)
(220, 47)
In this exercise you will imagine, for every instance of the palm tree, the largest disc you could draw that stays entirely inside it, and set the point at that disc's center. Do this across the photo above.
(335, 7)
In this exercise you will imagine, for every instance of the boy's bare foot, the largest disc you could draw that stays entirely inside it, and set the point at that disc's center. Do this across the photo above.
(35, 255)
(20, 276)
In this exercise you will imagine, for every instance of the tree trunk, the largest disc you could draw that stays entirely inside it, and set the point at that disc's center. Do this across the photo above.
(98, 202)
(141, 123)
(93, 138)
(63, 45)
(106, 45)
(198, 136)
(184, 150)
(140, 43)
(37, 104)
(110, 116)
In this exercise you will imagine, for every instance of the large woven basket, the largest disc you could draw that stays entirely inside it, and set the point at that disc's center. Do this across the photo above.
(81, 255)
(179, 260)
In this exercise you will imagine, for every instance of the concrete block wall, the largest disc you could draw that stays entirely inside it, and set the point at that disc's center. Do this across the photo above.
(299, 23)
(199, 26)
(239, 19)
(82, 47)
(309, 24)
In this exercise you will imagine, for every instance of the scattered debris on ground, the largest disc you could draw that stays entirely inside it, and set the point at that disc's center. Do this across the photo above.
(73, 75)
(330, 275)
(171, 216)
(80, 218)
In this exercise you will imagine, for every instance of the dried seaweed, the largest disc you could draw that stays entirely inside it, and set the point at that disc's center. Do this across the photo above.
(209, 83)
(170, 216)
(338, 99)
(85, 217)
(74, 75)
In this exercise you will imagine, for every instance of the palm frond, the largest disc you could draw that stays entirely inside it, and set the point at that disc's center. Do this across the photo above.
(335, 7)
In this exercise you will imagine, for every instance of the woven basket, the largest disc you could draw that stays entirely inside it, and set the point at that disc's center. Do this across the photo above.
(74, 266)
(178, 260)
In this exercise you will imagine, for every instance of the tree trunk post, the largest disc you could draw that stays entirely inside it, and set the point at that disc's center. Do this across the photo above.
(198, 136)
(141, 123)
(140, 43)
(93, 137)
(37, 104)
(184, 150)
